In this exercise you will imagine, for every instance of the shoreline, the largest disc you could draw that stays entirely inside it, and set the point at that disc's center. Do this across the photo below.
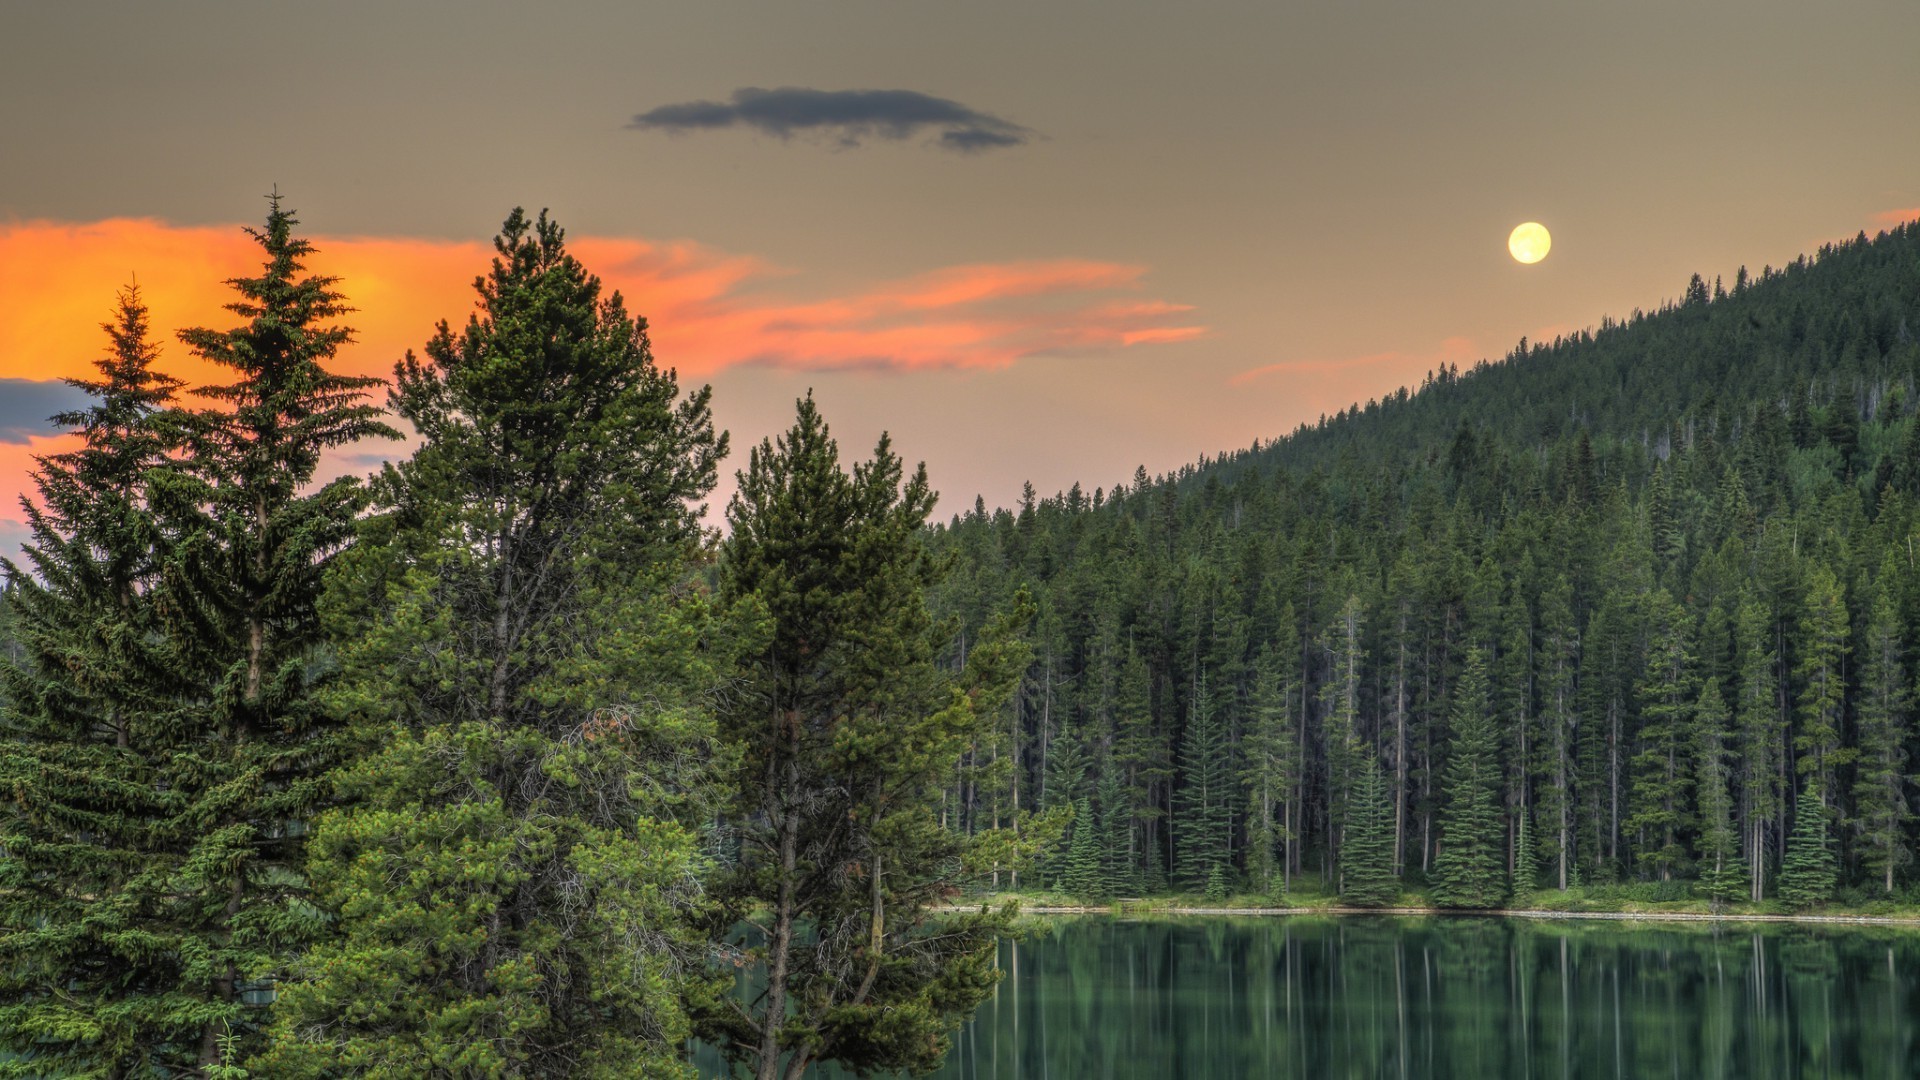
(1514, 913)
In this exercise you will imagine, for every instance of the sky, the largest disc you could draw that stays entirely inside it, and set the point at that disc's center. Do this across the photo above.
(1036, 241)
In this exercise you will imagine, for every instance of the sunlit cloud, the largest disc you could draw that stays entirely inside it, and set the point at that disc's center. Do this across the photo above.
(708, 309)
(1893, 219)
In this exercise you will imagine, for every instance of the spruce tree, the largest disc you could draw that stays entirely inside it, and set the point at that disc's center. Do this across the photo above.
(1660, 768)
(1821, 671)
(1366, 861)
(1756, 716)
(1271, 755)
(1808, 872)
(90, 967)
(1722, 875)
(1082, 876)
(1881, 781)
(1470, 871)
(1202, 812)
(254, 540)
(843, 729)
(524, 672)
(1526, 860)
(1118, 876)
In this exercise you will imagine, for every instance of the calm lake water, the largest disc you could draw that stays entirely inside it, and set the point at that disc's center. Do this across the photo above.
(1474, 998)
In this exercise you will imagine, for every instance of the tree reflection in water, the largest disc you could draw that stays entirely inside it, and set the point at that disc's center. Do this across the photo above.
(1473, 998)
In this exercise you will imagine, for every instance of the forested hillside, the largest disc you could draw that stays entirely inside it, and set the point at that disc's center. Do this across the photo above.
(1637, 605)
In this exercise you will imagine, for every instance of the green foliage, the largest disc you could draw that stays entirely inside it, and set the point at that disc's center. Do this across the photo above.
(525, 669)
(1615, 519)
(1526, 859)
(1081, 875)
(1723, 877)
(1808, 872)
(89, 962)
(1882, 783)
(844, 729)
(1366, 860)
(1470, 871)
(1202, 814)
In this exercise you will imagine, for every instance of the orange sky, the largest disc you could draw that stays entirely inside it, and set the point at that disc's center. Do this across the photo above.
(711, 310)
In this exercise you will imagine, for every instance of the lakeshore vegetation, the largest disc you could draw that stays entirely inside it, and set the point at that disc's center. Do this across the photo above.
(501, 763)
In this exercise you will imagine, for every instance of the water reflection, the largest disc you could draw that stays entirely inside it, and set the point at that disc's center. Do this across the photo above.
(1435, 998)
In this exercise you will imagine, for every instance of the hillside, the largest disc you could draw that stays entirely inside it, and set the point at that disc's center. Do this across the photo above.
(1667, 565)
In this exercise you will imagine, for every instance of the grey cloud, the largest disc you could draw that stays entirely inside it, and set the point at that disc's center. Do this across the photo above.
(847, 116)
(25, 405)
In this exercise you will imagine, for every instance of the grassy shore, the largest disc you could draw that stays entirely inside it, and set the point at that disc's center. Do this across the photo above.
(1590, 902)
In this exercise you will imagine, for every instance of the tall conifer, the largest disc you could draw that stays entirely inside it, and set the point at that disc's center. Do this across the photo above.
(1470, 870)
(255, 538)
(90, 965)
(526, 663)
(844, 730)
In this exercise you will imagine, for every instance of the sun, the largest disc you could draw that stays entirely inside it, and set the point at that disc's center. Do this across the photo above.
(1530, 242)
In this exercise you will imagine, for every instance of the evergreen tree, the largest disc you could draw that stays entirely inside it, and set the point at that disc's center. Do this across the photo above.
(524, 666)
(1823, 651)
(1722, 877)
(1082, 876)
(1470, 870)
(1526, 860)
(1366, 866)
(1660, 773)
(1559, 722)
(844, 729)
(1880, 787)
(1271, 774)
(1807, 873)
(242, 587)
(1757, 718)
(90, 971)
(1202, 814)
(1117, 873)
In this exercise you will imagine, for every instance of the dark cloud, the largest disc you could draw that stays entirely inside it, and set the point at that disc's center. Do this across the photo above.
(846, 116)
(25, 405)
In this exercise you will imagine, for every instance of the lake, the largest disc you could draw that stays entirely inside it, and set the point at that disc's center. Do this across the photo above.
(1376, 997)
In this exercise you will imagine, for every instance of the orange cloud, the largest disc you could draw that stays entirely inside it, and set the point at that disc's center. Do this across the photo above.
(57, 282)
(1453, 350)
(707, 309)
(1893, 219)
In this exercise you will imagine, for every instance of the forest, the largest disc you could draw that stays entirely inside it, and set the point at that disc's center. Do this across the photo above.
(1635, 606)
(503, 762)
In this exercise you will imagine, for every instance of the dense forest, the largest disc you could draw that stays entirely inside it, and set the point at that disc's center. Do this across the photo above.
(1638, 605)
(501, 762)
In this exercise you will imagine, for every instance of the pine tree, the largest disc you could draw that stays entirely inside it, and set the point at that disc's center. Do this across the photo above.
(90, 972)
(242, 589)
(1526, 860)
(1202, 814)
(1881, 783)
(1118, 876)
(1722, 876)
(1823, 651)
(1271, 754)
(1757, 719)
(1366, 866)
(1660, 774)
(1559, 662)
(1808, 872)
(844, 730)
(1082, 876)
(1470, 870)
(523, 667)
